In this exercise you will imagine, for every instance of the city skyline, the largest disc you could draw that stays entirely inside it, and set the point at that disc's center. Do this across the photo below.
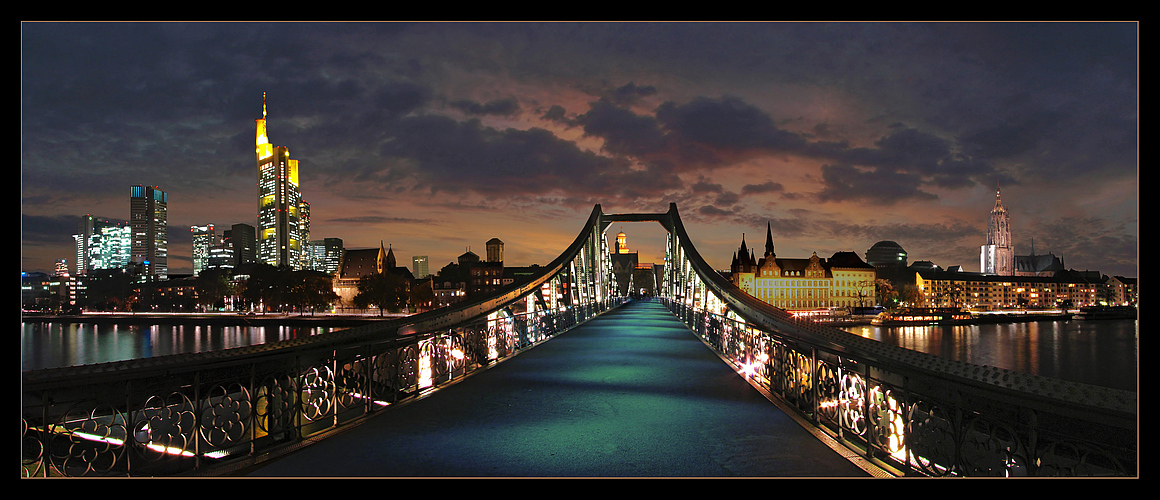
(436, 137)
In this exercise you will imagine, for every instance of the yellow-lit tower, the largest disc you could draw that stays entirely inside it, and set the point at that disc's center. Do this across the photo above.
(279, 198)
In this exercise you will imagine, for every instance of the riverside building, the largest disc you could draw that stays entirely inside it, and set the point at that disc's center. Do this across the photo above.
(843, 280)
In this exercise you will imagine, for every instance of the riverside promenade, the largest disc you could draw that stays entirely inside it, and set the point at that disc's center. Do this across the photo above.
(631, 393)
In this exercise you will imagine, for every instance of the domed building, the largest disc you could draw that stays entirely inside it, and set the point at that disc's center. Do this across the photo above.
(889, 261)
(886, 254)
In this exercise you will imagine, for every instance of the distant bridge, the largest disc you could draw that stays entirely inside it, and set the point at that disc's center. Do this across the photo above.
(900, 411)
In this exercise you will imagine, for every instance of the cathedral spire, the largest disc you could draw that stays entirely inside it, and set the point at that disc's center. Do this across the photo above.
(997, 256)
(768, 240)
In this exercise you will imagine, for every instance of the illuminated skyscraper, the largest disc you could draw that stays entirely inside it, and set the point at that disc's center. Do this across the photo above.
(204, 240)
(325, 255)
(279, 199)
(998, 255)
(304, 234)
(148, 216)
(419, 265)
(102, 244)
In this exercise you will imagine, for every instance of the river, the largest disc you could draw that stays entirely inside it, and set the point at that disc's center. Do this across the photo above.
(1097, 352)
(1102, 352)
(52, 345)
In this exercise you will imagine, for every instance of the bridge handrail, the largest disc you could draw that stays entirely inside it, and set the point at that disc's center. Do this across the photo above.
(200, 413)
(1043, 405)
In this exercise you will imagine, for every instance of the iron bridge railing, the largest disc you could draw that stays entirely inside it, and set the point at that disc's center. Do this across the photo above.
(906, 412)
(220, 412)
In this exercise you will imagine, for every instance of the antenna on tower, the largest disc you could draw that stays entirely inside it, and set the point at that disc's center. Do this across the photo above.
(263, 104)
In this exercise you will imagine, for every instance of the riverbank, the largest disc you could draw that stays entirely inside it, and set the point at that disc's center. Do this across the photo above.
(975, 319)
(222, 319)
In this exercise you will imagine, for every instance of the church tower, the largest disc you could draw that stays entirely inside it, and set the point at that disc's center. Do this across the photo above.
(998, 255)
(744, 268)
(769, 241)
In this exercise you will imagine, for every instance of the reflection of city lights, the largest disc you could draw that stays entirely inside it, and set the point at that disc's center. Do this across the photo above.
(100, 439)
(169, 450)
(425, 372)
(748, 369)
(373, 401)
(894, 424)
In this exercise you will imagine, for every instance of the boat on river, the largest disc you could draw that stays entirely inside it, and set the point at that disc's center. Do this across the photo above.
(922, 316)
(1107, 312)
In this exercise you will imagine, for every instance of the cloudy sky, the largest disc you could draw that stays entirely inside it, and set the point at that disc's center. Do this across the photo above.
(435, 137)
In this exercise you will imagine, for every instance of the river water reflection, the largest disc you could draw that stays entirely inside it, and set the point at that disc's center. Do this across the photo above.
(1100, 352)
(51, 345)
(1093, 352)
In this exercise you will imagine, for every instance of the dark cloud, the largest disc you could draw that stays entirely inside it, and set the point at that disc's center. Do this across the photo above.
(727, 199)
(1008, 140)
(556, 113)
(377, 219)
(49, 228)
(631, 93)
(1086, 243)
(623, 131)
(452, 156)
(712, 211)
(704, 186)
(847, 183)
(727, 123)
(715, 132)
(501, 107)
(766, 187)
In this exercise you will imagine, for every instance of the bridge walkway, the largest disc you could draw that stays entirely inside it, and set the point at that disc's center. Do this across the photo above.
(631, 393)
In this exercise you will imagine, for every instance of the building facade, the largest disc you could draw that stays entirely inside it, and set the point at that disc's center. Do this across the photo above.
(1122, 290)
(148, 219)
(843, 280)
(494, 250)
(102, 244)
(242, 240)
(280, 222)
(420, 265)
(357, 264)
(1067, 289)
(204, 240)
(325, 255)
(305, 257)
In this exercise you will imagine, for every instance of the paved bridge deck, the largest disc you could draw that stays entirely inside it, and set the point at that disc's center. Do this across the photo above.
(631, 393)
